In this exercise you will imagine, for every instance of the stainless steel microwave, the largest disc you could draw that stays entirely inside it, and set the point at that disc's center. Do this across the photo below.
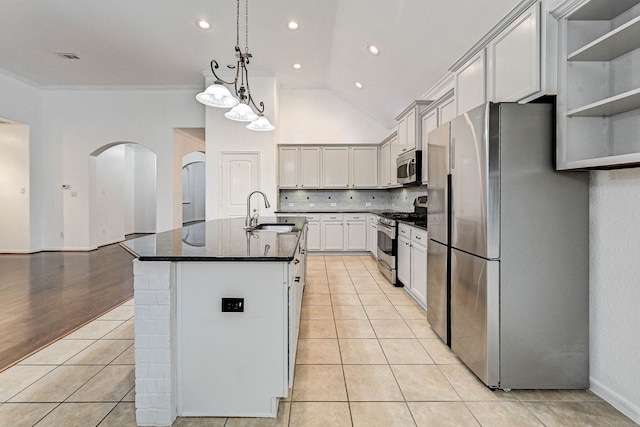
(409, 170)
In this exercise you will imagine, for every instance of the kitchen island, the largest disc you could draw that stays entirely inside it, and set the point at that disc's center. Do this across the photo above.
(217, 313)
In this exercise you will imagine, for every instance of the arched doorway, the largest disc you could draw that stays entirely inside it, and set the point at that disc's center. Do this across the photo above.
(123, 187)
(193, 188)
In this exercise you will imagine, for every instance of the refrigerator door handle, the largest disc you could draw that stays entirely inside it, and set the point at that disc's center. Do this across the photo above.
(452, 150)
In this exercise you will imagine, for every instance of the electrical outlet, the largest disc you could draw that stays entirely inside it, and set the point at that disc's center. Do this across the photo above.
(311, 205)
(333, 204)
(291, 205)
(232, 305)
(367, 204)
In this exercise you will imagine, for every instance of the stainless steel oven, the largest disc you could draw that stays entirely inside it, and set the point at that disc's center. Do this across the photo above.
(387, 248)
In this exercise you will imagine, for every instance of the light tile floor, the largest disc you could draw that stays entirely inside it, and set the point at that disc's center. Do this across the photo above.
(366, 357)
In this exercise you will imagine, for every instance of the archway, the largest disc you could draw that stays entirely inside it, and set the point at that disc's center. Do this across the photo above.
(193, 188)
(123, 188)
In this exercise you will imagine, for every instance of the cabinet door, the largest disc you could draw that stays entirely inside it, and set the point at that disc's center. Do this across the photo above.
(372, 239)
(447, 111)
(411, 129)
(310, 167)
(429, 123)
(332, 236)
(313, 236)
(356, 236)
(470, 84)
(288, 167)
(404, 261)
(419, 273)
(335, 167)
(402, 130)
(364, 167)
(385, 169)
(513, 59)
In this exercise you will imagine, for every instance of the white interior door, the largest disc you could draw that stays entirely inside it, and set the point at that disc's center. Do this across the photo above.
(239, 175)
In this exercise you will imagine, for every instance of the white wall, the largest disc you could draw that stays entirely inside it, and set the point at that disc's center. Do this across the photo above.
(224, 135)
(318, 116)
(615, 288)
(14, 188)
(81, 121)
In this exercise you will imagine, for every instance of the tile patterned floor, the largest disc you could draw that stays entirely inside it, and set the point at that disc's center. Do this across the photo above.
(366, 357)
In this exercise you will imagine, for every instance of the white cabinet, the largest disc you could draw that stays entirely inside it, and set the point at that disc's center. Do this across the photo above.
(412, 262)
(335, 167)
(404, 261)
(313, 233)
(410, 126)
(363, 167)
(296, 289)
(419, 266)
(299, 167)
(513, 59)
(447, 110)
(470, 84)
(355, 232)
(598, 86)
(429, 123)
(389, 151)
(332, 232)
(288, 167)
(372, 234)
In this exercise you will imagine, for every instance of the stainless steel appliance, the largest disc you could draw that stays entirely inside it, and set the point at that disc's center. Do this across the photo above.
(409, 167)
(508, 284)
(387, 250)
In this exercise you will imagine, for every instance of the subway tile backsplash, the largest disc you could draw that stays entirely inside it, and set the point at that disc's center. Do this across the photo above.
(397, 199)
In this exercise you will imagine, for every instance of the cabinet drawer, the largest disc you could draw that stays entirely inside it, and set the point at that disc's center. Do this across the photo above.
(404, 230)
(331, 217)
(355, 217)
(419, 236)
(313, 218)
(373, 219)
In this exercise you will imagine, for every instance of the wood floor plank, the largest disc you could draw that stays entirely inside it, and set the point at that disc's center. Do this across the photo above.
(46, 295)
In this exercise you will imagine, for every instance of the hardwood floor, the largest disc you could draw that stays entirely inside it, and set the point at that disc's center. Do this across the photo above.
(46, 295)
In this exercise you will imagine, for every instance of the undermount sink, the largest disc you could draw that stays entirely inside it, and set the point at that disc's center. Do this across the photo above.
(275, 228)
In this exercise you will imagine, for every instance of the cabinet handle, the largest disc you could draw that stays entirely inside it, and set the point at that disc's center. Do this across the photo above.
(418, 238)
(297, 279)
(296, 261)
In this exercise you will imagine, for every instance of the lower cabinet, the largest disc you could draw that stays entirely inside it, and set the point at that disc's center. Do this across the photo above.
(372, 235)
(412, 262)
(332, 232)
(355, 232)
(314, 242)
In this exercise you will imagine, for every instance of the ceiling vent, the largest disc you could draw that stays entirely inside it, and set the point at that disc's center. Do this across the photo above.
(68, 55)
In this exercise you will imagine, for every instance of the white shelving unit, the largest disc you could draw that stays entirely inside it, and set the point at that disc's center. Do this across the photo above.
(598, 85)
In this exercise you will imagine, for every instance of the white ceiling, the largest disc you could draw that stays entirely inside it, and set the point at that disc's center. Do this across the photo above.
(156, 43)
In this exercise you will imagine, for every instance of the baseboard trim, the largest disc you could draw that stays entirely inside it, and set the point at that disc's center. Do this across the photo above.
(620, 403)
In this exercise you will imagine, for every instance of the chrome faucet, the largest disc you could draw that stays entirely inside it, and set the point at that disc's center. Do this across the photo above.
(252, 221)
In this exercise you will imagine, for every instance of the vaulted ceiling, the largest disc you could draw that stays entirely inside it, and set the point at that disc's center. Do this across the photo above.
(157, 43)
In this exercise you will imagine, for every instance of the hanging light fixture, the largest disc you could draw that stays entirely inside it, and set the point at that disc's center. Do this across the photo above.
(242, 104)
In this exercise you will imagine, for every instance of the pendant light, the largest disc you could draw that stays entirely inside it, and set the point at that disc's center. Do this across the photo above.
(242, 104)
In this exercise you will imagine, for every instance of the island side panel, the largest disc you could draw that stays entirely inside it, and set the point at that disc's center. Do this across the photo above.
(155, 342)
(232, 363)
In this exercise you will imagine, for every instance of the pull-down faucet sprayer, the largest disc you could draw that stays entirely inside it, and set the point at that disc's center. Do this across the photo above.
(251, 221)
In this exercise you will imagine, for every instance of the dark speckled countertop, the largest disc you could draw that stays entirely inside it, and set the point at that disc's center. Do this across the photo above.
(219, 240)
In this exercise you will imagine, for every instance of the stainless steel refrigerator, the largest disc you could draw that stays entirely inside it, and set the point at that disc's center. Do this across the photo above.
(508, 256)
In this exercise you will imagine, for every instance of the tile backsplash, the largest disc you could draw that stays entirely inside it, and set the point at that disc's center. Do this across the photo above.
(397, 199)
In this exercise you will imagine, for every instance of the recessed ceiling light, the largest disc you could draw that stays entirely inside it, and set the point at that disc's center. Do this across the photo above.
(297, 66)
(293, 25)
(202, 24)
(373, 50)
(358, 85)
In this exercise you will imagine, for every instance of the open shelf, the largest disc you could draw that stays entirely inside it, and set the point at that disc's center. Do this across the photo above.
(612, 45)
(602, 10)
(610, 106)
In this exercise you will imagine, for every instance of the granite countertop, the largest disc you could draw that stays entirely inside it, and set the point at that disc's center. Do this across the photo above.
(219, 240)
(418, 224)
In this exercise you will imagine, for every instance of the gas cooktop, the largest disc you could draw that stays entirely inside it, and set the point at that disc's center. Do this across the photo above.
(407, 216)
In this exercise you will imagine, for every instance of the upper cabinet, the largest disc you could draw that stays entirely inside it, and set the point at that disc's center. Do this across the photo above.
(508, 63)
(598, 84)
(513, 59)
(299, 167)
(409, 126)
(327, 166)
(440, 111)
(389, 151)
(470, 83)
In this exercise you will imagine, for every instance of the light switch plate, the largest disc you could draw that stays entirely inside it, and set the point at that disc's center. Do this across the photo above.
(312, 205)
(291, 204)
(333, 204)
(367, 204)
